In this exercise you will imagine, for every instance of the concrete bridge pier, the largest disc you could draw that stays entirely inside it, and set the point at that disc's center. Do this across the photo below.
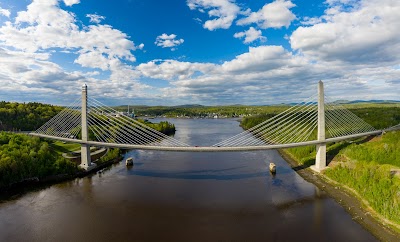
(320, 159)
(85, 148)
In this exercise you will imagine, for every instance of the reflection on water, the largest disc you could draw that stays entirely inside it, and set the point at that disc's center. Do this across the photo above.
(198, 174)
(182, 196)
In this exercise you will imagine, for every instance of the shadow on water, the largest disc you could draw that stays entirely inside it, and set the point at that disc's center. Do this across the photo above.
(194, 175)
(14, 194)
(204, 174)
(214, 170)
(306, 164)
(304, 200)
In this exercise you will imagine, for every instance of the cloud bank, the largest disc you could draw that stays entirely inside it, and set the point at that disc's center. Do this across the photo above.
(354, 46)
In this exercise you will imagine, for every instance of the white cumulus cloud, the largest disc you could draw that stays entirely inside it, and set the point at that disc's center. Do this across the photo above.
(44, 25)
(5, 12)
(43, 28)
(250, 35)
(272, 15)
(71, 2)
(172, 69)
(95, 18)
(264, 73)
(367, 32)
(168, 41)
(223, 12)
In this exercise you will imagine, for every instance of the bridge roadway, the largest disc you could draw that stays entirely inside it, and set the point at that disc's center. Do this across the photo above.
(209, 148)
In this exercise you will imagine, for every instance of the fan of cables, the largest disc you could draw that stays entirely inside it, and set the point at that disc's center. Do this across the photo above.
(107, 125)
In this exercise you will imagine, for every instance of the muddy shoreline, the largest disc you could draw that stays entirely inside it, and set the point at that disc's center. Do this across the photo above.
(353, 205)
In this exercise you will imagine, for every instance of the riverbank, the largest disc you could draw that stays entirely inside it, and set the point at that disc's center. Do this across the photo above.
(35, 183)
(348, 199)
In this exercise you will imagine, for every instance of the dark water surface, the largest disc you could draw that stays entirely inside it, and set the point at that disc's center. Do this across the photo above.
(177, 196)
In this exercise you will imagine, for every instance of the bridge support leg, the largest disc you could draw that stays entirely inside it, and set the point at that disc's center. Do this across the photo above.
(320, 159)
(85, 157)
(85, 149)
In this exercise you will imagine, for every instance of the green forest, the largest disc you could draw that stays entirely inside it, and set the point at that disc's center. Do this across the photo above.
(163, 126)
(23, 157)
(25, 117)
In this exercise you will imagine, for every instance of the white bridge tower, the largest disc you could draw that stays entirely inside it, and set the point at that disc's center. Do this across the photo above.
(320, 159)
(85, 148)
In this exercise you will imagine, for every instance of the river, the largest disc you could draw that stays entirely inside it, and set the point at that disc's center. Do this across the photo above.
(183, 196)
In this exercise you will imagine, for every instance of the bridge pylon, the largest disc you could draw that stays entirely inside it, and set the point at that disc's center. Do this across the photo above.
(320, 159)
(85, 148)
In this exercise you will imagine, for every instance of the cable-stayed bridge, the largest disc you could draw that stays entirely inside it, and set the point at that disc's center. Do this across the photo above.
(315, 121)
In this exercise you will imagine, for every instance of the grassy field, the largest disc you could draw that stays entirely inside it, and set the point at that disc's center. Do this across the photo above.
(372, 169)
(60, 147)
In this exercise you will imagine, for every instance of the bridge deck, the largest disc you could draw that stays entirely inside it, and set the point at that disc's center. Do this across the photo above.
(208, 148)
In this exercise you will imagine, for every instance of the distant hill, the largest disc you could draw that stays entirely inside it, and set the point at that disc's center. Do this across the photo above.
(189, 106)
(124, 107)
(364, 101)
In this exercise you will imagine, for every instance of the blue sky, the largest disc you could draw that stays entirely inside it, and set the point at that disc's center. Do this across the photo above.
(210, 52)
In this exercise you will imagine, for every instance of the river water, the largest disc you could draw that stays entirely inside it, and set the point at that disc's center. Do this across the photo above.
(178, 196)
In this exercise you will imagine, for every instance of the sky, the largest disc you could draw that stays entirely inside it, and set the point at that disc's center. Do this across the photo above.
(209, 52)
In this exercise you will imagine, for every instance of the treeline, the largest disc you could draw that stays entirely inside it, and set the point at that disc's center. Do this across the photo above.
(373, 112)
(249, 122)
(163, 126)
(379, 117)
(23, 157)
(203, 111)
(25, 117)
